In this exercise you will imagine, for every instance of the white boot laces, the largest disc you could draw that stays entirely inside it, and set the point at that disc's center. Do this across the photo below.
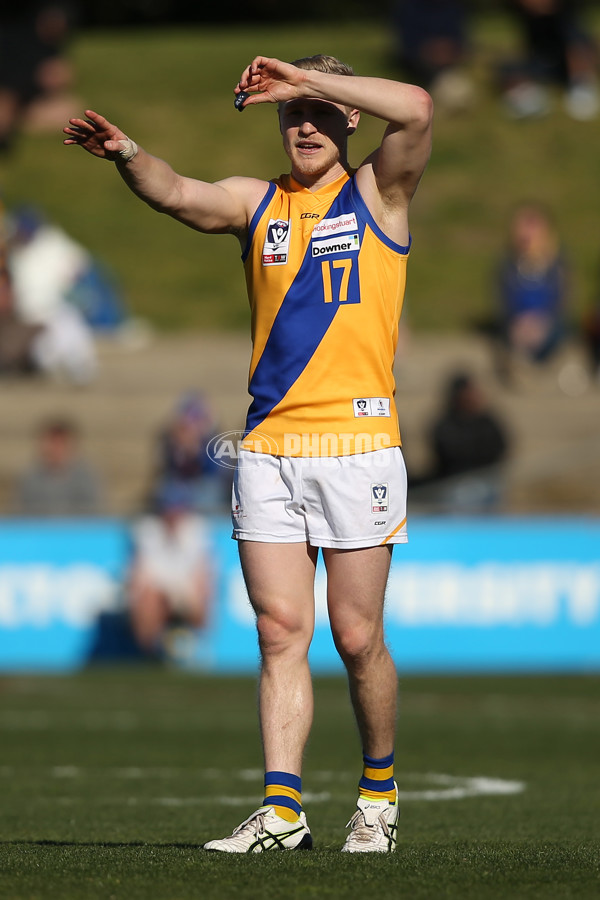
(363, 832)
(256, 821)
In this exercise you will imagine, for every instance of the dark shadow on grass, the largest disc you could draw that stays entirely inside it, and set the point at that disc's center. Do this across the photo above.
(109, 844)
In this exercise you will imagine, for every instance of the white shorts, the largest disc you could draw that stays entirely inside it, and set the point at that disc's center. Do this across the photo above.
(330, 501)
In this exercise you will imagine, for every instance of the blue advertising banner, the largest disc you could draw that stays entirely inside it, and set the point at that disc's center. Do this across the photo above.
(56, 580)
(463, 595)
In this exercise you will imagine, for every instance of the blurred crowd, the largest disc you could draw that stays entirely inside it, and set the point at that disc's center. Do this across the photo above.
(531, 314)
(56, 300)
(59, 481)
(555, 54)
(36, 74)
(431, 42)
(169, 583)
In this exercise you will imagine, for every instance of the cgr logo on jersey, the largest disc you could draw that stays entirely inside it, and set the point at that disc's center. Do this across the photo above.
(379, 498)
(277, 243)
(343, 244)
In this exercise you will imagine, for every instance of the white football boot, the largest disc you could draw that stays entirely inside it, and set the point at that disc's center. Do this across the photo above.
(373, 827)
(264, 830)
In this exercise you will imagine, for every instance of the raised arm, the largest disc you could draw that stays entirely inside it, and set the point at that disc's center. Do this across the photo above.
(398, 163)
(217, 208)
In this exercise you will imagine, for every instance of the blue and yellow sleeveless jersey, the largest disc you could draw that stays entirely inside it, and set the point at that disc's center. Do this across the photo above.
(326, 287)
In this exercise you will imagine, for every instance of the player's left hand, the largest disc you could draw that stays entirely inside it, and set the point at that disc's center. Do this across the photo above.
(269, 80)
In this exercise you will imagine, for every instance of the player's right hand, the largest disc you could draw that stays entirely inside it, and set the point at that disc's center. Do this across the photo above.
(269, 80)
(96, 135)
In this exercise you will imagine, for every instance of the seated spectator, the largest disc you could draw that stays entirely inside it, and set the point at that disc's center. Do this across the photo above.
(184, 459)
(431, 48)
(170, 579)
(557, 51)
(45, 263)
(59, 482)
(591, 340)
(468, 444)
(35, 74)
(16, 337)
(532, 291)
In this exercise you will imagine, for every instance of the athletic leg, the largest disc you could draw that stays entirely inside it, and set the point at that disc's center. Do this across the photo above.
(356, 588)
(280, 583)
(356, 582)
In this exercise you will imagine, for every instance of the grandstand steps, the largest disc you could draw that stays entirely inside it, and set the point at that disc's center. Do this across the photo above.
(555, 464)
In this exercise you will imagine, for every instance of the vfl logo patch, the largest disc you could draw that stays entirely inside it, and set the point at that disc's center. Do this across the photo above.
(371, 406)
(277, 243)
(343, 244)
(379, 498)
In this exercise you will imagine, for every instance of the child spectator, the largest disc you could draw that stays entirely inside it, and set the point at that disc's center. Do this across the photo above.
(59, 482)
(531, 284)
(184, 459)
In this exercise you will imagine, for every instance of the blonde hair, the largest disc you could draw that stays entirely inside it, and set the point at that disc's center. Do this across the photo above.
(329, 65)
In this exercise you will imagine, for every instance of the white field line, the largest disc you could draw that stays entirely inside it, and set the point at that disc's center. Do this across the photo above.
(428, 786)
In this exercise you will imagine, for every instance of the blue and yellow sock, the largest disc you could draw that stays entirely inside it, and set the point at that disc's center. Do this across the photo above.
(283, 792)
(377, 782)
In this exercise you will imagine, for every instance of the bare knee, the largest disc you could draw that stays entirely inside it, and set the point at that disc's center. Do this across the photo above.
(281, 633)
(358, 642)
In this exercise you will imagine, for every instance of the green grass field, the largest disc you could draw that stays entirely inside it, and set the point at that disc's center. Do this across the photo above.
(172, 90)
(112, 779)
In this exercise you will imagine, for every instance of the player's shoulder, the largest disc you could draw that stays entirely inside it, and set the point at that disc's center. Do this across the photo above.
(248, 191)
(245, 187)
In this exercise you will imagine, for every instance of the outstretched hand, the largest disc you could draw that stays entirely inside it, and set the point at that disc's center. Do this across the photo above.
(96, 135)
(269, 80)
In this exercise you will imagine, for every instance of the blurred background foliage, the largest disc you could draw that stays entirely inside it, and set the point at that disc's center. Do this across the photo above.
(158, 12)
(171, 88)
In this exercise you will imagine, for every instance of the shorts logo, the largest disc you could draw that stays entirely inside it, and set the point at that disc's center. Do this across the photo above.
(379, 498)
(277, 243)
(345, 243)
(371, 406)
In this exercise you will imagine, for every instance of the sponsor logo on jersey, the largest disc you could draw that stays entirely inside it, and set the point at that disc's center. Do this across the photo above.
(277, 243)
(379, 498)
(309, 216)
(274, 259)
(333, 226)
(371, 406)
(342, 244)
